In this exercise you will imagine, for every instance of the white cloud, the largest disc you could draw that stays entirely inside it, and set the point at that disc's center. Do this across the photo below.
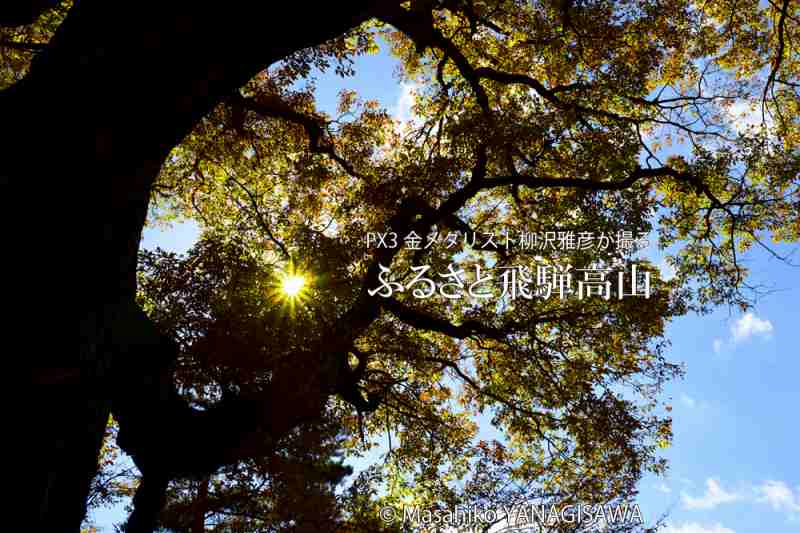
(694, 527)
(688, 401)
(715, 495)
(748, 326)
(403, 111)
(779, 496)
(717, 346)
(743, 329)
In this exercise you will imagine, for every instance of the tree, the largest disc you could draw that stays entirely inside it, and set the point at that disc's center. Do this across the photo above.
(531, 116)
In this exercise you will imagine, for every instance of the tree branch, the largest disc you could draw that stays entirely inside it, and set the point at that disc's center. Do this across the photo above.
(20, 13)
(275, 107)
(18, 45)
(421, 320)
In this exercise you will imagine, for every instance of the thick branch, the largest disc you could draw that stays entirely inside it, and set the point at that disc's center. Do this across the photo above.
(273, 106)
(22, 12)
(418, 26)
(618, 185)
(779, 53)
(147, 503)
(19, 45)
(421, 320)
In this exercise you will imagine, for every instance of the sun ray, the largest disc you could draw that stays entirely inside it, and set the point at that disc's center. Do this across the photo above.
(293, 284)
(291, 288)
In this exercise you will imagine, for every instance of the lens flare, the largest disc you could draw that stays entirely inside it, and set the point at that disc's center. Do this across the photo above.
(292, 285)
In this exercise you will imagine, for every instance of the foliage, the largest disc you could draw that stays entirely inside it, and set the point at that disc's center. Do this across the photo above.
(528, 117)
(19, 44)
(116, 477)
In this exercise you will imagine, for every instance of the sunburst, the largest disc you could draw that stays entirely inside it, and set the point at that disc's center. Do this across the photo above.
(292, 285)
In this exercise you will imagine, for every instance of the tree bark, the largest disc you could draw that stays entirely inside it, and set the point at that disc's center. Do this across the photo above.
(200, 507)
(83, 137)
(18, 13)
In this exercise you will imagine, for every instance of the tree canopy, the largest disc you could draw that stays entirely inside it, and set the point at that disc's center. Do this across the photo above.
(672, 119)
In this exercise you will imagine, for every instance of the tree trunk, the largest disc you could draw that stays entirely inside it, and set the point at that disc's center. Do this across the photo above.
(200, 507)
(83, 137)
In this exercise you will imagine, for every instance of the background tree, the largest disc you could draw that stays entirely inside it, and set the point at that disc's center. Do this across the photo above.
(530, 117)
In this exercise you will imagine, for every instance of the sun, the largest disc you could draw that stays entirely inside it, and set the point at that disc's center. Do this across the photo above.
(291, 288)
(293, 284)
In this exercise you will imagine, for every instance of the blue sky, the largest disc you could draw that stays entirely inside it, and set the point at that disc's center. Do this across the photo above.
(733, 466)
